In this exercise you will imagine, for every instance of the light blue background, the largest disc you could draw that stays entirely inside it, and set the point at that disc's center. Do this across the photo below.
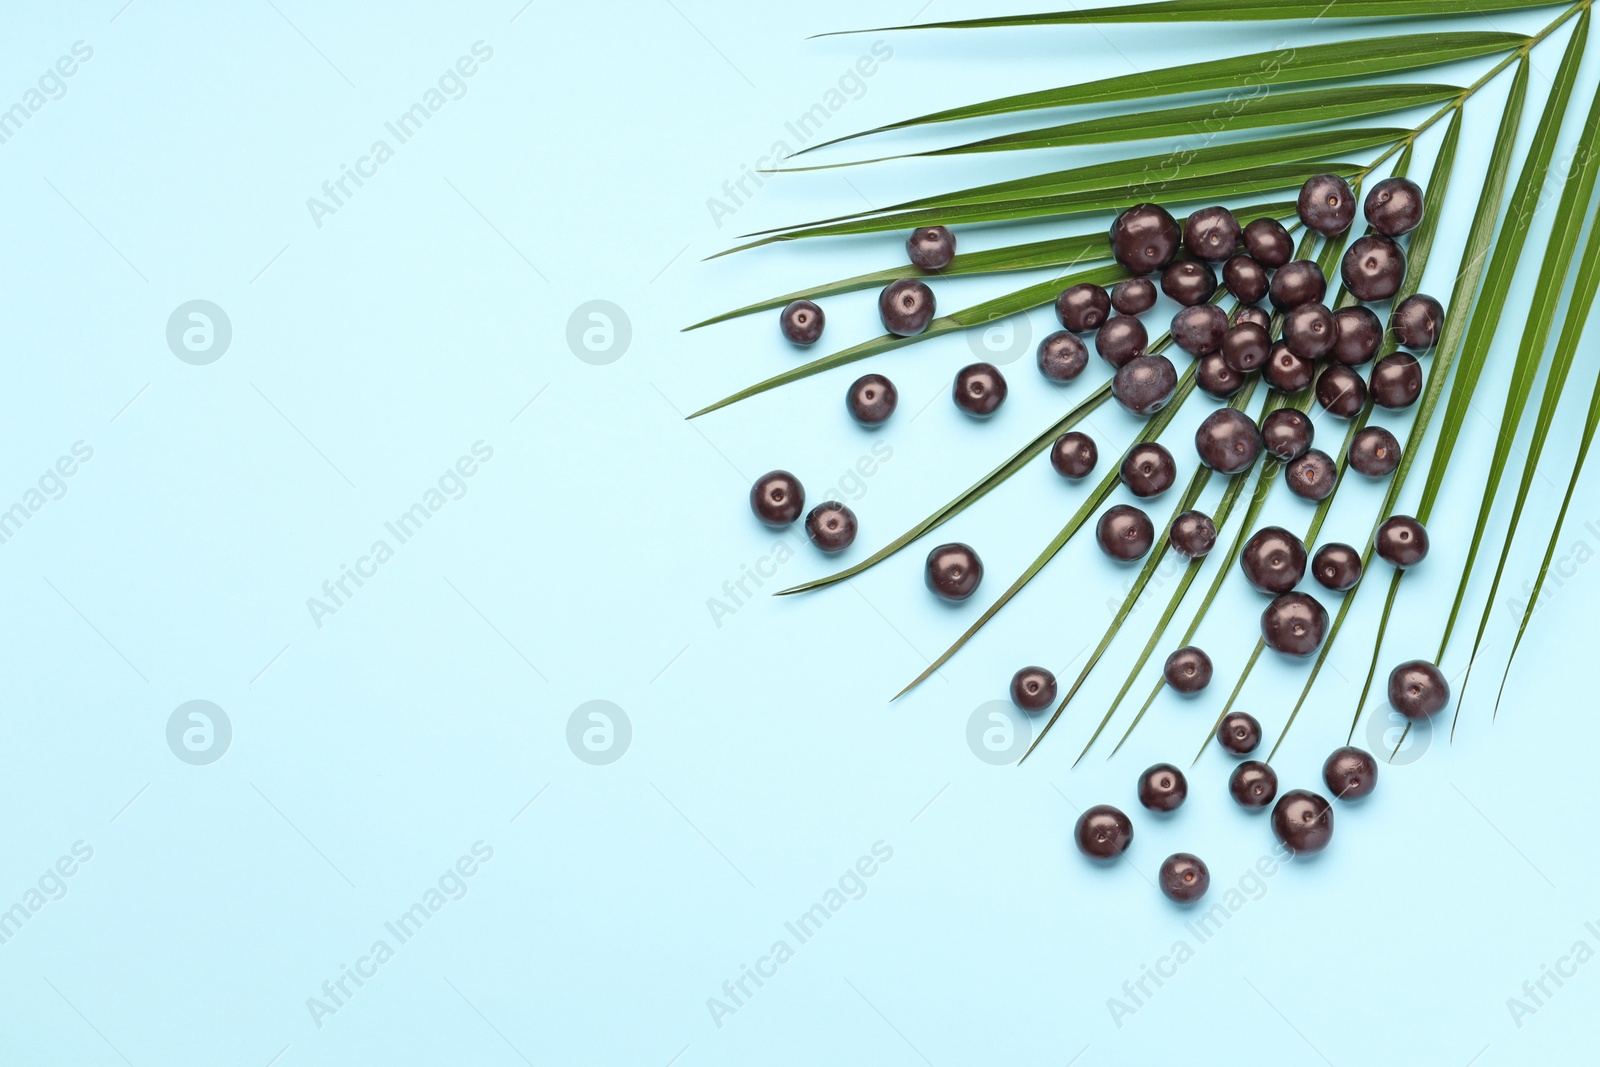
(430, 712)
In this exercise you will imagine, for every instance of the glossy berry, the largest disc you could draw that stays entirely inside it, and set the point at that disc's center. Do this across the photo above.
(1401, 541)
(1062, 357)
(931, 247)
(1133, 296)
(1245, 279)
(1189, 282)
(979, 390)
(777, 498)
(1350, 773)
(1074, 454)
(1394, 206)
(1327, 205)
(1121, 338)
(1341, 392)
(906, 307)
(801, 322)
(1374, 452)
(1144, 238)
(1239, 733)
(1228, 441)
(1359, 333)
(1246, 347)
(1268, 243)
(1253, 784)
(1162, 787)
(1183, 877)
(1200, 330)
(1083, 307)
(1260, 316)
(1148, 469)
(1303, 821)
(1211, 233)
(831, 526)
(1312, 476)
(1287, 433)
(1418, 689)
(872, 399)
(1188, 670)
(1033, 689)
(1373, 267)
(1416, 322)
(1103, 833)
(1396, 381)
(1337, 566)
(1273, 560)
(1297, 282)
(1294, 624)
(1215, 378)
(1145, 384)
(1193, 534)
(1125, 533)
(1287, 372)
(953, 571)
(1309, 331)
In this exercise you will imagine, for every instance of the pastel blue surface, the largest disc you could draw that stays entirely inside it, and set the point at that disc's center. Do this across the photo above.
(400, 794)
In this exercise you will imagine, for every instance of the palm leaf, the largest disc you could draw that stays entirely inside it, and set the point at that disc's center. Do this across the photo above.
(1254, 112)
(1558, 257)
(1286, 66)
(1583, 299)
(1248, 10)
(1253, 181)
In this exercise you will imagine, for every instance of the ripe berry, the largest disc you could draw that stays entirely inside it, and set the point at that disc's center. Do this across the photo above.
(979, 389)
(1312, 476)
(1200, 330)
(1228, 441)
(1211, 233)
(1144, 238)
(1062, 356)
(1148, 469)
(906, 307)
(831, 526)
(1082, 307)
(801, 322)
(1337, 566)
(1268, 243)
(1416, 322)
(1341, 392)
(953, 571)
(1373, 267)
(1246, 279)
(1125, 533)
(1144, 385)
(1374, 452)
(1401, 541)
(1396, 380)
(1394, 206)
(1192, 534)
(1294, 624)
(931, 247)
(1074, 454)
(1298, 282)
(1189, 282)
(1033, 689)
(1133, 296)
(1287, 433)
(1327, 205)
(1359, 335)
(872, 399)
(1120, 338)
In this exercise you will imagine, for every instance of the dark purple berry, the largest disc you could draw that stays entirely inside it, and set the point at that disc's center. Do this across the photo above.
(1396, 380)
(1144, 238)
(1287, 433)
(1189, 282)
(1337, 566)
(1121, 338)
(1416, 322)
(1103, 833)
(906, 307)
(953, 571)
(1245, 279)
(1401, 541)
(1148, 469)
(1246, 347)
(1418, 689)
(1211, 233)
(831, 526)
(1374, 452)
(1273, 560)
(1133, 296)
(777, 498)
(1394, 206)
(1327, 205)
(872, 399)
(1287, 372)
(1373, 267)
(1341, 392)
(1193, 534)
(1268, 243)
(1074, 454)
(1312, 476)
(1253, 784)
(1184, 877)
(1033, 689)
(1298, 282)
(1239, 733)
(979, 389)
(1082, 307)
(801, 322)
(1359, 335)
(1349, 773)
(1188, 670)
(1125, 533)
(1062, 356)
(1294, 624)
(1145, 384)
(1213, 375)
(1303, 821)
(1228, 441)
(931, 247)
(1200, 330)
(1162, 787)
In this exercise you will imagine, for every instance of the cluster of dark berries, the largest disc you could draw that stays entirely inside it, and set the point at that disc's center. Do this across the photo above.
(778, 498)
(1302, 820)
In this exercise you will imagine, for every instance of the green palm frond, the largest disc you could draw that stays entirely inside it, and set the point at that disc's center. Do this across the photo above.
(1300, 109)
